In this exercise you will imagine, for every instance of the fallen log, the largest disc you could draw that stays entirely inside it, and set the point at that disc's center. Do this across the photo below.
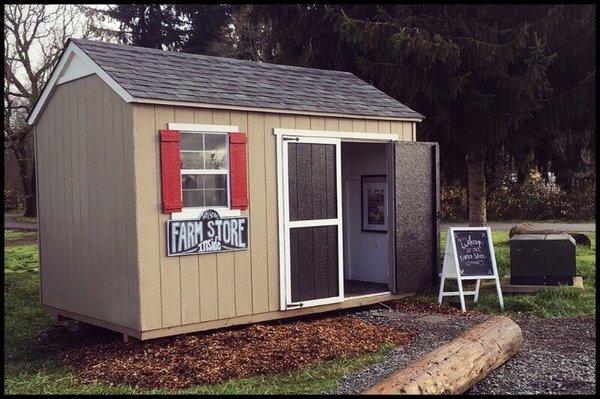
(528, 228)
(456, 366)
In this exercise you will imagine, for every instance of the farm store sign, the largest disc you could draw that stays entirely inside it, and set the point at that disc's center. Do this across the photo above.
(210, 233)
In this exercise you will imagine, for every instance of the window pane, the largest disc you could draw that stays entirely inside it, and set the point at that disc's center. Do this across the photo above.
(215, 197)
(216, 151)
(215, 160)
(191, 182)
(192, 160)
(191, 141)
(216, 142)
(204, 151)
(193, 198)
(215, 181)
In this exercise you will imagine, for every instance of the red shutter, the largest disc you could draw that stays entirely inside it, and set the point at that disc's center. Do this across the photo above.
(170, 171)
(238, 178)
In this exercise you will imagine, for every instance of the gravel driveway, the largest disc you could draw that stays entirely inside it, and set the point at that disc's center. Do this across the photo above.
(559, 355)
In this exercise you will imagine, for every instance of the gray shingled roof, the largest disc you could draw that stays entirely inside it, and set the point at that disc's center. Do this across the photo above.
(165, 75)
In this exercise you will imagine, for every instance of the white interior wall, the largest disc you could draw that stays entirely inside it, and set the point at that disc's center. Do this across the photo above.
(365, 253)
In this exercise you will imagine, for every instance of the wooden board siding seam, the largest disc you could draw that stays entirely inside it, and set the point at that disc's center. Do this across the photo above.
(256, 192)
(131, 248)
(189, 269)
(65, 254)
(207, 264)
(110, 189)
(226, 266)
(64, 260)
(104, 268)
(83, 196)
(243, 264)
(157, 193)
(127, 264)
(120, 212)
(265, 133)
(170, 266)
(88, 196)
(112, 298)
(273, 264)
(96, 243)
(75, 191)
(147, 236)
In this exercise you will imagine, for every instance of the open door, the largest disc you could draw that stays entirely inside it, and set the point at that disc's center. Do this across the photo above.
(312, 221)
(414, 244)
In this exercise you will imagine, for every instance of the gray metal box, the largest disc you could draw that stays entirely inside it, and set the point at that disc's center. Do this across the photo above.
(560, 259)
(547, 259)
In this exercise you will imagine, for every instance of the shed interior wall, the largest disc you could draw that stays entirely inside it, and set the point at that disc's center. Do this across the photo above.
(365, 252)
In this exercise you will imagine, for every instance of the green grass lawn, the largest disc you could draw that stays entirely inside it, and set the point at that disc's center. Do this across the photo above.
(25, 219)
(560, 302)
(27, 370)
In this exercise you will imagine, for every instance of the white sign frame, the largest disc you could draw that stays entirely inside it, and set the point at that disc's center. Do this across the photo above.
(451, 270)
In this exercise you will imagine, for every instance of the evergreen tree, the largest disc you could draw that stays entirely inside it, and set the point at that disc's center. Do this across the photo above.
(504, 87)
(478, 72)
(203, 25)
(567, 118)
(182, 27)
(148, 25)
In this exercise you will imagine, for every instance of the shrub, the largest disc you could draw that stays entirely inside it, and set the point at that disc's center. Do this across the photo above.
(532, 200)
(13, 200)
(454, 203)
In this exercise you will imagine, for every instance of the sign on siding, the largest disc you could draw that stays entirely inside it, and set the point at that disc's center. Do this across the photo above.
(208, 234)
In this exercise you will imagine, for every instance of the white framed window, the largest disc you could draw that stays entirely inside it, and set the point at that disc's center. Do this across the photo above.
(205, 183)
(204, 169)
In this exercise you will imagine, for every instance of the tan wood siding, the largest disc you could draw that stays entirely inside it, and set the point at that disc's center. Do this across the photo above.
(208, 281)
(102, 232)
(192, 289)
(84, 183)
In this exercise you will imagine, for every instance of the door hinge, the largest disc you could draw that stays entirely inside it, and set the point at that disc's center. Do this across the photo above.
(295, 305)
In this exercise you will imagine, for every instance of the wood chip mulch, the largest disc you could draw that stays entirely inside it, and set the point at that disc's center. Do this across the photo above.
(411, 305)
(212, 357)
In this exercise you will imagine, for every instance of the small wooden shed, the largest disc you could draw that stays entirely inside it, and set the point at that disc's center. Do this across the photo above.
(180, 192)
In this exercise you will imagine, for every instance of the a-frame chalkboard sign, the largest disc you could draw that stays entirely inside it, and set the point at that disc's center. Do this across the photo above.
(469, 255)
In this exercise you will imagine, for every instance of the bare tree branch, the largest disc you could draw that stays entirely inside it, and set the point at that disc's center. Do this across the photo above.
(34, 35)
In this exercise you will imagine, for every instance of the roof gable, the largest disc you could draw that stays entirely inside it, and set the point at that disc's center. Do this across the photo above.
(150, 75)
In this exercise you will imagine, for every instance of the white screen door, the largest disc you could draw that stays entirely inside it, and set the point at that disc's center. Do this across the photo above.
(313, 247)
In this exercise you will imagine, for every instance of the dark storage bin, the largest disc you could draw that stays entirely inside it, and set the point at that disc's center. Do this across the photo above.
(560, 259)
(542, 259)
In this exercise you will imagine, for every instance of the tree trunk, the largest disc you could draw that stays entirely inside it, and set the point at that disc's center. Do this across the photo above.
(31, 196)
(27, 180)
(458, 365)
(476, 187)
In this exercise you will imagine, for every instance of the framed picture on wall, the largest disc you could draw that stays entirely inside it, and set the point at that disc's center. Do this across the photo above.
(374, 203)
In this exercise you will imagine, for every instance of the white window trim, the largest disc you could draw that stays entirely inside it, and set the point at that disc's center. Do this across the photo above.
(196, 212)
(345, 136)
(196, 128)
